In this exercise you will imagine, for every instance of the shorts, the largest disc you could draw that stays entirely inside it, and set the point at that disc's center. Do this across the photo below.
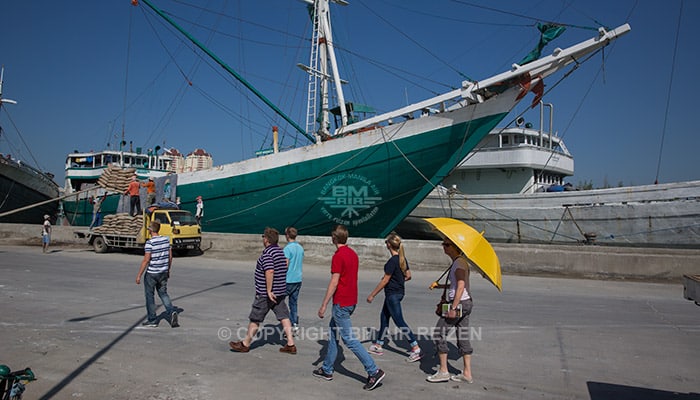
(462, 332)
(262, 305)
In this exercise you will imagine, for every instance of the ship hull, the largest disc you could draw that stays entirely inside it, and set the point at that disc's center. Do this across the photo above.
(22, 186)
(368, 181)
(663, 215)
(79, 212)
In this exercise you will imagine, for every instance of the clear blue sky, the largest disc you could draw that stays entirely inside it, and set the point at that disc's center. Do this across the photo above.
(82, 70)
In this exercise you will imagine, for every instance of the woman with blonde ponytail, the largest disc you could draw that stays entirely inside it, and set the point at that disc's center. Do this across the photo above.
(396, 273)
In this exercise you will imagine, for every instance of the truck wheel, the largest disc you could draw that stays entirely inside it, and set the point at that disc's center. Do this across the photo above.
(100, 245)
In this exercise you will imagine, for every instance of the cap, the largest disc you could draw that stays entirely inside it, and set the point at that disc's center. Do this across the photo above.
(150, 178)
(46, 216)
(199, 198)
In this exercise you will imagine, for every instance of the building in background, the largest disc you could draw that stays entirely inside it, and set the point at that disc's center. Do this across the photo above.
(178, 160)
(198, 160)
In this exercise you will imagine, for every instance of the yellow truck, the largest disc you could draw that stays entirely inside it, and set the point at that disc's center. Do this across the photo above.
(126, 232)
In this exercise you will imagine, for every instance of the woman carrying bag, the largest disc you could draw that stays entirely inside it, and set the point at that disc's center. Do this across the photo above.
(396, 273)
(455, 314)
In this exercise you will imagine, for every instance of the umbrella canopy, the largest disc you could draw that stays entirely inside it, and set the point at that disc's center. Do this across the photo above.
(472, 243)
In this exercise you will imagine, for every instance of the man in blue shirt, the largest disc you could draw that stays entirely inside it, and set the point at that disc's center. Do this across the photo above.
(294, 253)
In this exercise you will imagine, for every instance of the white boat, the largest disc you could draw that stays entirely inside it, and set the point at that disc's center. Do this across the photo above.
(512, 188)
(518, 159)
(84, 169)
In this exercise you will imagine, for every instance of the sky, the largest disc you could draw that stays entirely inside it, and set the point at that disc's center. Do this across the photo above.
(86, 74)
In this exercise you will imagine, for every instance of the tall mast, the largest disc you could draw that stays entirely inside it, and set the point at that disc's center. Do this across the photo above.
(322, 69)
(2, 75)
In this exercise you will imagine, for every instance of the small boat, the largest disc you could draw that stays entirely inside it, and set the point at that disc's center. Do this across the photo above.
(84, 170)
(342, 176)
(22, 185)
(516, 159)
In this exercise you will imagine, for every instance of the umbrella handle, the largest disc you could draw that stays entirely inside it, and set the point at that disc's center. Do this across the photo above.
(437, 282)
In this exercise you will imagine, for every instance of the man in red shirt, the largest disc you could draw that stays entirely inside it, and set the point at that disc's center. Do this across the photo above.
(134, 200)
(343, 290)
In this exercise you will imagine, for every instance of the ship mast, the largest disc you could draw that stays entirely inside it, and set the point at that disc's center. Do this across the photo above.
(2, 75)
(322, 59)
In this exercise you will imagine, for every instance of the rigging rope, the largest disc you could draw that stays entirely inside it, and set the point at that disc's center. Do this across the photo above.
(126, 77)
(668, 97)
(416, 43)
(21, 138)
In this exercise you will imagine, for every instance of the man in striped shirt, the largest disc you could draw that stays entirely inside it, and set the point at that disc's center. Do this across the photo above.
(270, 293)
(156, 264)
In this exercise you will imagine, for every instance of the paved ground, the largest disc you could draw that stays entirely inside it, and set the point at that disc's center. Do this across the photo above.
(74, 317)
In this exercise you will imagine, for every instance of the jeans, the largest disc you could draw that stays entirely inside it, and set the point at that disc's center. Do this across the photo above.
(157, 282)
(293, 293)
(341, 327)
(96, 219)
(392, 309)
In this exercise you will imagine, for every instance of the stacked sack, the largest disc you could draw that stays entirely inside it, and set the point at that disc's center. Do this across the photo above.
(120, 224)
(116, 178)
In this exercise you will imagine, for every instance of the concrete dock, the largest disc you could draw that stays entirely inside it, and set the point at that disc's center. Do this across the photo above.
(74, 317)
(575, 261)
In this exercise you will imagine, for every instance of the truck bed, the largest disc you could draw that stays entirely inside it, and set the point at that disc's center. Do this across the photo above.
(691, 288)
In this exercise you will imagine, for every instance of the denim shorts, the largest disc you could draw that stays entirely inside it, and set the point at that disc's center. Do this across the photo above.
(262, 305)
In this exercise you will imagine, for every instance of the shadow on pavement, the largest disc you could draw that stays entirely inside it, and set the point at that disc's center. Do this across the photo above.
(611, 391)
(84, 366)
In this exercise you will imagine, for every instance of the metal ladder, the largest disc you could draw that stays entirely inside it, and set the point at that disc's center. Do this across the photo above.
(312, 111)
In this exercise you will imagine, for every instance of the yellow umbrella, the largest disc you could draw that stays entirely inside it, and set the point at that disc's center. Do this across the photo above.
(472, 243)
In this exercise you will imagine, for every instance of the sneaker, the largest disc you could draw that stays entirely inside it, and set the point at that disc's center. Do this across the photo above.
(288, 349)
(173, 320)
(150, 324)
(438, 377)
(414, 356)
(376, 349)
(461, 378)
(295, 330)
(373, 380)
(238, 347)
(320, 373)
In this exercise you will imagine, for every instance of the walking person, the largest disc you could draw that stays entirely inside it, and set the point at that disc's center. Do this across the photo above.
(200, 210)
(457, 317)
(157, 262)
(294, 253)
(342, 289)
(396, 273)
(270, 292)
(134, 200)
(46, 233)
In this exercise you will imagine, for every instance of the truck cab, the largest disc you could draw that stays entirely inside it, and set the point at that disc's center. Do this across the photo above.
(182, 228)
